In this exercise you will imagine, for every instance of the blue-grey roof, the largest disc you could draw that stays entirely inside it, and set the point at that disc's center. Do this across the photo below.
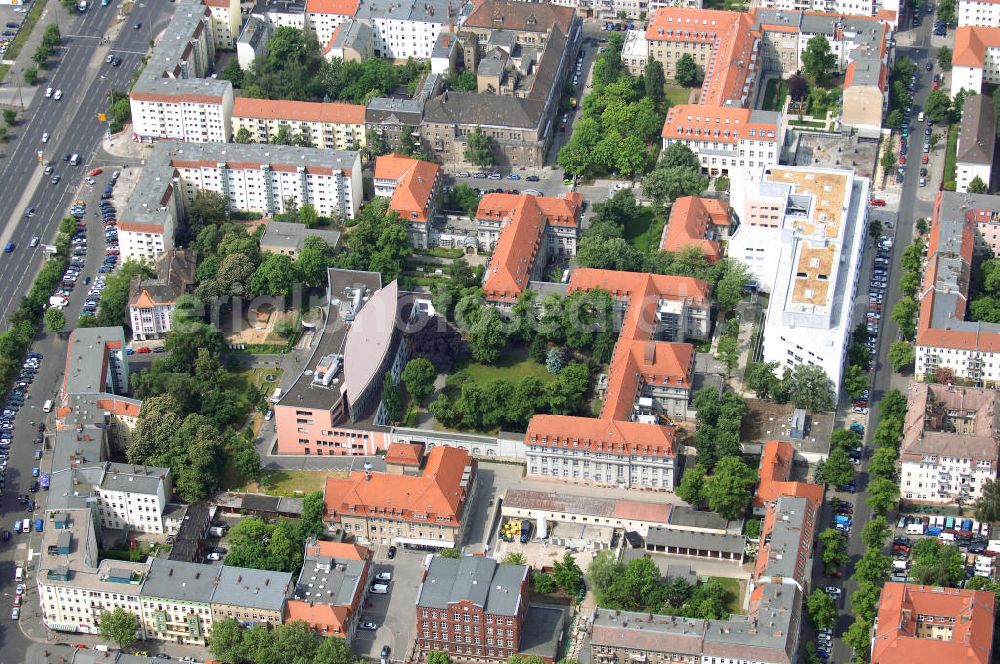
(181, 581)
(253, 588)
(789, 524)
(85, 358)
(476, 579)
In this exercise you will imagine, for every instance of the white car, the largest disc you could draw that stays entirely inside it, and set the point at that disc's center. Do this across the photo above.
(45, 137)
(48, 93)
(34, 241)
(58, 95)
(384, 576)
(15, 614)
(833, 591)
(215, 556)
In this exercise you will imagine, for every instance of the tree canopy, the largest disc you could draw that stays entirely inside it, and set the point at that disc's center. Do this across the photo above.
(818, 60)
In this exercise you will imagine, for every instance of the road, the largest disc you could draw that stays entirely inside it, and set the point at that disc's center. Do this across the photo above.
(85, 80)
(80, 72)
(913, 205)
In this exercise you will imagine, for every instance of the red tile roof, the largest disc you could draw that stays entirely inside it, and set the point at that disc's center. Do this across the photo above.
(299, 111)
(438, 493)
(773, 473)
(971, 42)
(514, 256)
(967, 613)
(343, 7)
(691, 218)
(715, 123)
(415, 184)
(404, 454)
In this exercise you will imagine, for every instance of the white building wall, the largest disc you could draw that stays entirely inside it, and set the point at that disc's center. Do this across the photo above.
(580, 465)
(398, 39)
(978, 12)
(142, 512)
(969, 78)
(150, 323)
(967, 172)
(324, 25)
(986, 365)
(184, 121)
(143, 246)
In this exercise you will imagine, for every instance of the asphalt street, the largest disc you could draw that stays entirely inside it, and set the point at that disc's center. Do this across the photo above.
(911, 208)
(79, 71)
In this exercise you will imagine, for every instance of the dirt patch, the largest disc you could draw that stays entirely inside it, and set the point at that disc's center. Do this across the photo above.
(766, 420)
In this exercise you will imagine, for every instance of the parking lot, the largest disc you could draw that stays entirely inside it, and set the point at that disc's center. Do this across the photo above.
(12, 18)
(393, 612)
(969, 535)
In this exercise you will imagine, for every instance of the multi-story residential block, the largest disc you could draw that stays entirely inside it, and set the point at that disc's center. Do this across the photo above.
(978, 13)
(975, 59)
(768, 634)
(801, 234)
(174, 96)
(977, 139)
(331, 588)
(699, 222)
(289, 238)
(951, 443)
(352, 41)
(785, 554)
(96, 362)
(525, 233)
(379, 508)
(255, 178)
(251, 596)
(477, 610)
(323, 16)
(726, 139)
(151, 302)
(290, 13)
(933, 624)
(412, 185)
(773, 475)
(962, 225)
(325, 125)
(335, 405)
(649, 382)
(252, 42)
(226, 20)
(130, 497)
(176, 599)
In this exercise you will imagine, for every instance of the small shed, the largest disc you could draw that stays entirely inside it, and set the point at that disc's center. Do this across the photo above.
(799, 425)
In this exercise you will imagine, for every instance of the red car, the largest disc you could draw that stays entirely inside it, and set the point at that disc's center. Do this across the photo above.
(902, 161)
(925, 159)
(877, 202)
(935, 85)
(94, 173)
(143, 349)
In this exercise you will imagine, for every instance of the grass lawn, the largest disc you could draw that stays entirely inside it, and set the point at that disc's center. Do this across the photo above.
(677, 95)
(512, 367)
(292, 482)
(774, 94)
(734, 587)
(644, 229)
(949, 154)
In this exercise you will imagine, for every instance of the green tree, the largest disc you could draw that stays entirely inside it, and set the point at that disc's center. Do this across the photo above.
(673, 182)
(392, 399)
(692, 487)
(883, 494)
(818, 60)
(686, 71)
(938, 105)
(55, 320)
(275, 276)
(946, 11)
(729, 290)
(822, 609)
(654, 81)
(728, 489)
(834, 548)
(544, 583)
(119, 626)
(465, 198)
(875, 533)
(487, 336)
(837, 470)
(480, 149)
(227, 641)
(894, 121)
(983, 583)
(883, 463)
(567, 574)
(944, 57)
(332, 650)
(419, 376)
(9, 116)
(30, 76)
(901, 355)
(904, 314)
(856, 381)
(761, 379)
(243, 136)
(514, 558)
(977, 186)
(844, 438)
(812, 389)
(438, 657)
(988, 504)
(937, 564)
(308, 215)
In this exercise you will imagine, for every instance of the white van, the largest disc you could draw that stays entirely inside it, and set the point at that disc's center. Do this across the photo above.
(915, 529)
(19, 574)
(379, 589)
(900, 565)
(920, 116)
(938, 521)
(946, 537)
(74, 159)
(47, 406)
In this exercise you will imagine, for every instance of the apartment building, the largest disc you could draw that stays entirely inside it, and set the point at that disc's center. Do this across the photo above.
(325, 125)
(726, 139)
(767, 634)
(472, 607)
(176, 601)
(130, 497)
(977, 139)
(253, 178)
(887, 10)
(962, 225)
(226, 20)
(802, 232)
(951, 443)
(323, 16)
(982, 13)
(426, 510)
(331, 588)
(151, 302)
(251, 596)
(773, 478)
(96, 362)
(412, 187)
(933, 624)
(785, 554)
(252, 42)
(174, 97)
(699, 222)
(631, 442)
(526, 233)
(975, 59)
(335, 407)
